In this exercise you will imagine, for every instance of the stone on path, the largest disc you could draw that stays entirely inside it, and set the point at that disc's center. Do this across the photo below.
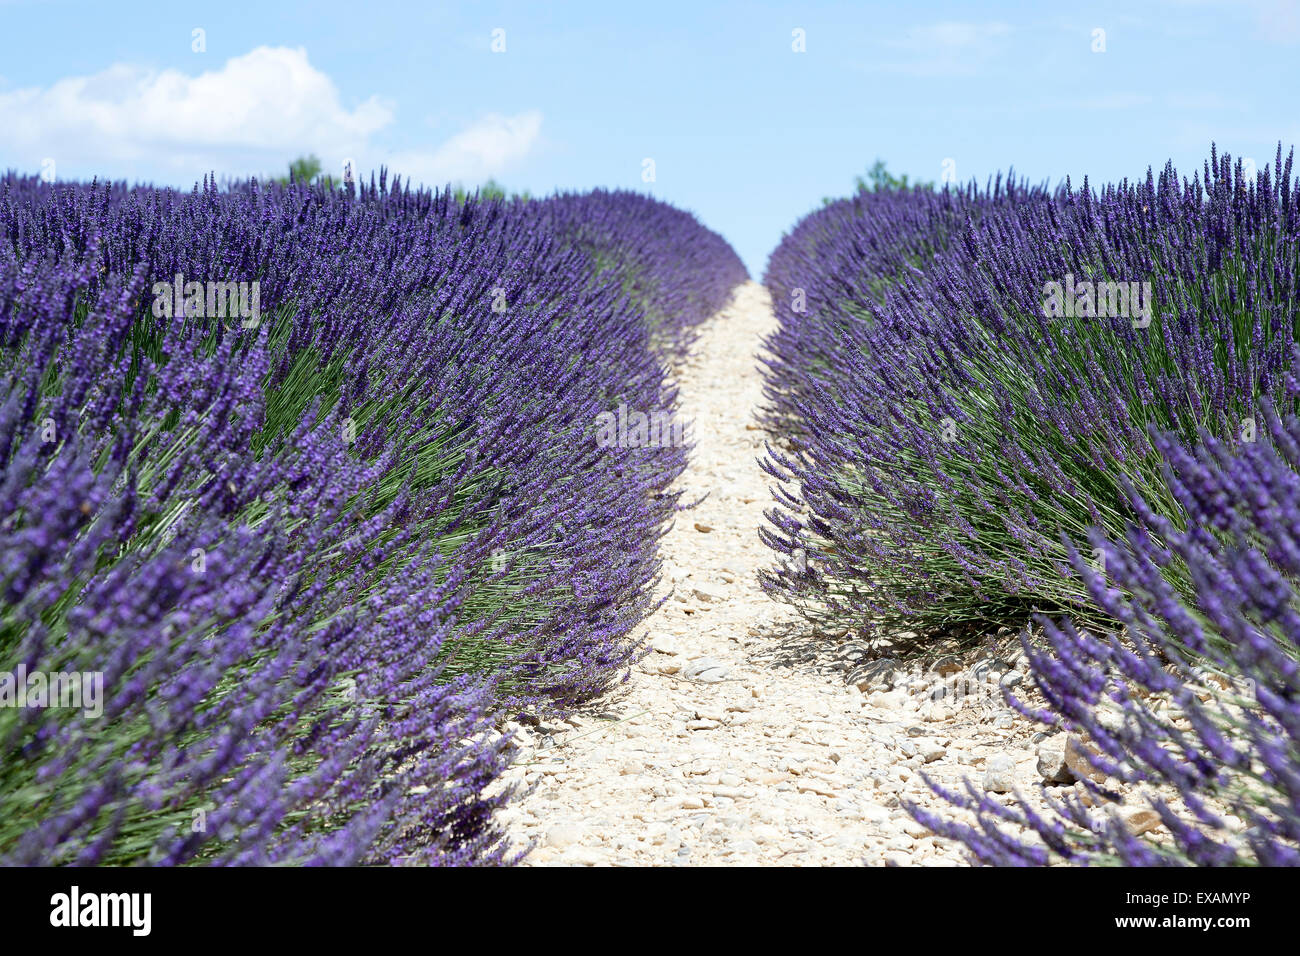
(706, 669)
(1000, 774)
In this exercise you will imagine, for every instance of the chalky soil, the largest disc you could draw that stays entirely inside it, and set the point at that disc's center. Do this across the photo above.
(736, 741)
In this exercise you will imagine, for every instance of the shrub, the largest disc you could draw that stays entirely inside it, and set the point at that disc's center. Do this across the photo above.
(1197, 697)
(312, 557)
(947, 434)
(675, 271)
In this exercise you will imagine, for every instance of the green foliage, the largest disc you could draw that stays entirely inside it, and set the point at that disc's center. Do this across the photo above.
(307, 169)
(304, 169)
(878, 179)
(490, 190)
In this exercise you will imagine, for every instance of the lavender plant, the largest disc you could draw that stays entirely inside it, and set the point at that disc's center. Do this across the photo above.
(949, 422)
(646, 246)
(1197, 699)
(312, 552)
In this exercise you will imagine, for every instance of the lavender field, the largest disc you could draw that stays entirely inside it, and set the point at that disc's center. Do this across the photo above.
(476, 435)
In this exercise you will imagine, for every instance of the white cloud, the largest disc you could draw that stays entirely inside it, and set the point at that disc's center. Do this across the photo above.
(270, 100)
(486, 148)
(250, 116)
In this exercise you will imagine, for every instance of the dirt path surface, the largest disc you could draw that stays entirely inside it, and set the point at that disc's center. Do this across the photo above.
(736, 741)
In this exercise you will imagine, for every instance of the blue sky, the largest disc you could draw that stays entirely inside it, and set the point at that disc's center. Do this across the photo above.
(743, 130)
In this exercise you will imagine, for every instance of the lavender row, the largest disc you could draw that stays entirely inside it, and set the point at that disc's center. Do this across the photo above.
(301, 488)
(965, 379)
(1077, 408)
(676, 271)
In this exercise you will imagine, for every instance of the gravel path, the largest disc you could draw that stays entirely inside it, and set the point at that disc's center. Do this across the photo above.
(736, 740)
